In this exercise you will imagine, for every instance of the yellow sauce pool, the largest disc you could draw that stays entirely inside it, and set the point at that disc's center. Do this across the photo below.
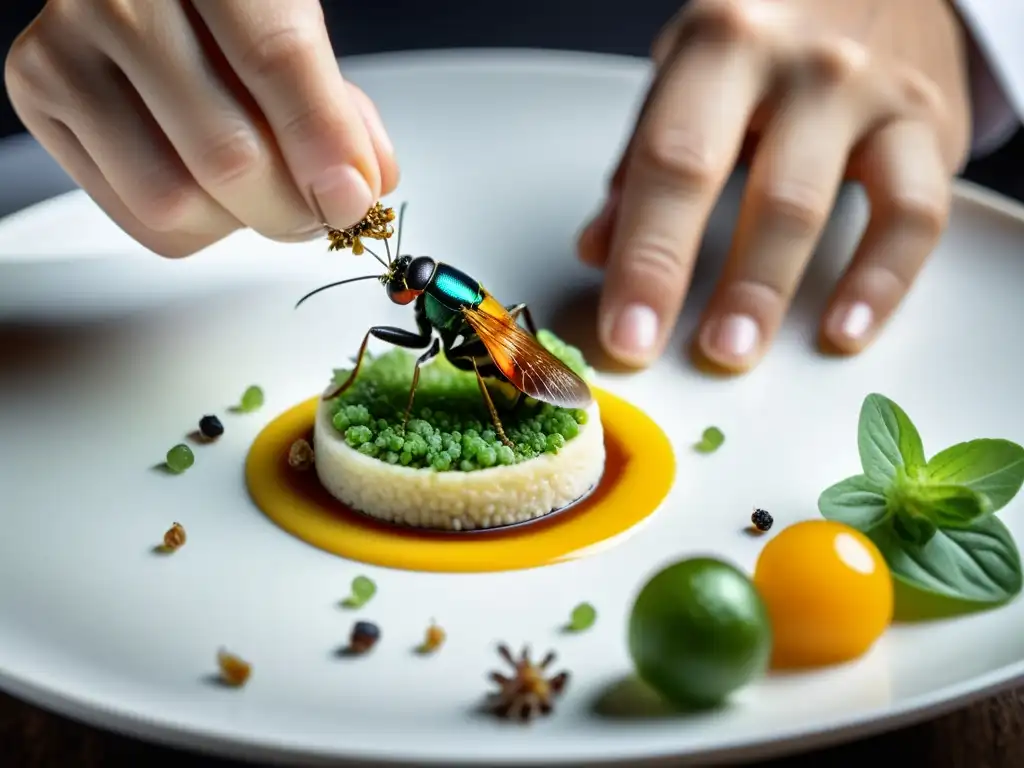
(639, 470)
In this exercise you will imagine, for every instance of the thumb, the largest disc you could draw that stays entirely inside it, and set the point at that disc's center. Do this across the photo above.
(382, 145)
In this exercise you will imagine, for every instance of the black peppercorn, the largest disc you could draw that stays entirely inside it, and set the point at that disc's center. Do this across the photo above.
(210, 427)
(761, 519)
(365, 635)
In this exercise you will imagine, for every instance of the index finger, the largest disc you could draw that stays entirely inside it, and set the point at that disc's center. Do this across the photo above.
(282, 55)
(684, 149)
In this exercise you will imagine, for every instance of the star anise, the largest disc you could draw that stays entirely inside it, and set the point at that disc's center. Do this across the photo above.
(376, 225)
(528, 692)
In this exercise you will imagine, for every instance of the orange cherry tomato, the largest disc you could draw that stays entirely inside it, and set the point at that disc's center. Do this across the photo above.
(828, 592)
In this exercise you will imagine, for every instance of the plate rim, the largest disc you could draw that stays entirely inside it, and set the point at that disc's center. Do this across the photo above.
(166, 732)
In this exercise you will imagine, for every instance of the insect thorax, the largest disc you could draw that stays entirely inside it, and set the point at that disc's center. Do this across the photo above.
(439, 315)
(454, 288)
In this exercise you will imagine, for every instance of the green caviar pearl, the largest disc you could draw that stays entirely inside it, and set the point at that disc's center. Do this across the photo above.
(505, 455)
(358, 436)
(554, 443)
(486, 456)
(180, 458)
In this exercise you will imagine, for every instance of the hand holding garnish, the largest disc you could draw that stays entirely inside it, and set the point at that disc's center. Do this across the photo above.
(187, 121)
(375, 225)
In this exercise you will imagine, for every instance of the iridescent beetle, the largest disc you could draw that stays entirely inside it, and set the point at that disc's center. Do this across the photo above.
(456, 315)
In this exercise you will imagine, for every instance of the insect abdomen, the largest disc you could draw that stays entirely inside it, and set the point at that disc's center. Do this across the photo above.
(454, 288)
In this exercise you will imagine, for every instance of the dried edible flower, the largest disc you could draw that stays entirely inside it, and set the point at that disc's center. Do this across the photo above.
(434, 638)
(528, 692)
(233, 670)
(175, 537)
(376, 225)
(300, 455)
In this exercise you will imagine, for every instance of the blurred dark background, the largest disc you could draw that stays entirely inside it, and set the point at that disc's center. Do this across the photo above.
(584, 25)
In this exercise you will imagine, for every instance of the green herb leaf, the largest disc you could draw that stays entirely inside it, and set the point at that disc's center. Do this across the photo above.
(913, 529)
(979, 563)
(582, 617)
(856, 501)
(887, 440)
(711, 440)
(992, 467)
(948, 506)
(363, 589)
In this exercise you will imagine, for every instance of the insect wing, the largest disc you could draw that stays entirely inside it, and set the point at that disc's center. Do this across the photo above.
(527, 364)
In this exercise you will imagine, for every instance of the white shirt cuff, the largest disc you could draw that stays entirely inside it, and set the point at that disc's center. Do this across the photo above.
(996, 69)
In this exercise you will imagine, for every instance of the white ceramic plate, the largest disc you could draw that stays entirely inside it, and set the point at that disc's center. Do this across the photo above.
(517, 147)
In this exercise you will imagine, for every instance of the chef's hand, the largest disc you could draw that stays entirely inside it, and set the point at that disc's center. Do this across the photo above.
(870, 90)
(187, 121)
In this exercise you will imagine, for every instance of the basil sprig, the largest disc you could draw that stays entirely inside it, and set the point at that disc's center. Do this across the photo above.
(933, 520)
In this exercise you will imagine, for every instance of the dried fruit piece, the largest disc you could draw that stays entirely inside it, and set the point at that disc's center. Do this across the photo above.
(528, 692)
(434, 638)
(300, 455)
(761, 519)
(233, 670)
(210, 427)
(365, 635)
(174, 538)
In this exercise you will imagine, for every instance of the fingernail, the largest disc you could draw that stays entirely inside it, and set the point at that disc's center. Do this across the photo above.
(303, 235)
(635, 331)
(375, 125)
(343, 195)
(733, 336)
(853, 321)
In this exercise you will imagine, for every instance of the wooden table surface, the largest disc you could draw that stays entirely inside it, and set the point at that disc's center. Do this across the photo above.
(989, 734)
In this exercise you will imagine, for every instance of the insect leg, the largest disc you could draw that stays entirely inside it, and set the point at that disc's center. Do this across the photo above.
(521, 309)
(397, 336)
(430, 354)
(490, 407)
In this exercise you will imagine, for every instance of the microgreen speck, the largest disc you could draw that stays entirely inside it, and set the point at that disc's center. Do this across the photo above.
(252, 400)
(710, 441)
(363, 589)
(582, 617)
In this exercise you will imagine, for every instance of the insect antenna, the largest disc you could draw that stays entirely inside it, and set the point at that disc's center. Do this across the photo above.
(383, 263)
(398, 240)
(335, 285)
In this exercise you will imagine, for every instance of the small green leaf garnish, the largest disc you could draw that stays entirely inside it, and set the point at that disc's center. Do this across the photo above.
(992, 467)
(582, 617)
(933, 521)
(979, 564)
(252, 400)
(710, 441)
(887, 440)
(363, 589)
(855, 502)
